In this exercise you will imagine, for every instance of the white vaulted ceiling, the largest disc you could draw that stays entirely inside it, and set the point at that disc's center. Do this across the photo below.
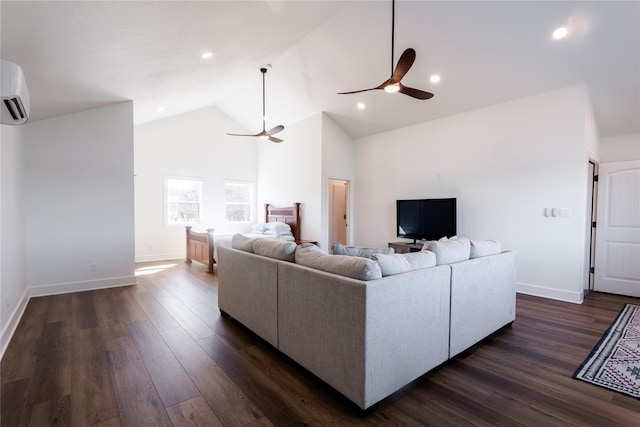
(78, 55)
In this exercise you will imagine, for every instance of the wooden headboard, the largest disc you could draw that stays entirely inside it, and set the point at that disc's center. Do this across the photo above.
(289, 215)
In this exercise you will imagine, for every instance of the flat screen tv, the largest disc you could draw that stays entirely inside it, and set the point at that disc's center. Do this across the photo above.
(426, 219)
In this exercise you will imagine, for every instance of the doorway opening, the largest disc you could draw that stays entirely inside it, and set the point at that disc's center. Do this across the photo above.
(338, 211)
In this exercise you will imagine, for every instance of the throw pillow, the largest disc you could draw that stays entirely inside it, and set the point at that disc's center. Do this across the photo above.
(277, 249)
(481, 248)
(242, 242)
(391, 264)
(452, 250)
(340, 249)
(425, 247)
(343, 265)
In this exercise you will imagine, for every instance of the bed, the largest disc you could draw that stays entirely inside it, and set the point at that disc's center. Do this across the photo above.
(201, 246)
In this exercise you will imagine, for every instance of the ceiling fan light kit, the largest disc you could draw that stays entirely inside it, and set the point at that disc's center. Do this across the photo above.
(392, 84)
(265, 134)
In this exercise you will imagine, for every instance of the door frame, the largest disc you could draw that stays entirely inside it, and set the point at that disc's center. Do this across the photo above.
(592, 184)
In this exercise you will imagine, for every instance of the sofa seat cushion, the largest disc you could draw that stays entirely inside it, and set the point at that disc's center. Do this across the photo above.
(340, 249)
(242, 242)
(452, 250)
(343, 265)
(480, 248)
(277, 249)
(391, 264)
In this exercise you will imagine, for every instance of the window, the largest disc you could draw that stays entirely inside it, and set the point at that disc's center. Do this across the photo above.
(183, 200)
(238, 200)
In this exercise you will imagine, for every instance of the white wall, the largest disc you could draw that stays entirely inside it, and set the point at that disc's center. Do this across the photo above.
(337, 163)
(79, 200)
(620, 148)
(291, 172)
(13, 277)
(505, 164)
(194, 144)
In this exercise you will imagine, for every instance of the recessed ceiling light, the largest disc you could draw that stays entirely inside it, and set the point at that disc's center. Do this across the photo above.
(160, 109)
(434, 78)
(207, 55)
(560, 33)
(361, 106)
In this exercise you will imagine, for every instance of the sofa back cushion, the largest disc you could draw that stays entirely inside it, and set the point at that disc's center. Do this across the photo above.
(344, 265)
(480, 248)
(340, 249)
(391, 264)
(277, 249)
(452, 250)
(242, 242)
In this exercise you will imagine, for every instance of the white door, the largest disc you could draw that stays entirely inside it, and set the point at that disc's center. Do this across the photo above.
(338, 196)
(617, 268)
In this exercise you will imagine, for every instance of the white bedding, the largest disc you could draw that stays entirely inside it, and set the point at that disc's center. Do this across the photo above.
(271, 230)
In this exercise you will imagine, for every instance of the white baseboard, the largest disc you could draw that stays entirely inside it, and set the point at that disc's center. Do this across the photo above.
(65, 288)
(12, 324)
(540, 291)
(160, 257)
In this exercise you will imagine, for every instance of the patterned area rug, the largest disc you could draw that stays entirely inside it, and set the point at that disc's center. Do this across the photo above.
(615, 362)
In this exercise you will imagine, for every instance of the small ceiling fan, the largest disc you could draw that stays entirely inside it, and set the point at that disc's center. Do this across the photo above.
(393, 84)
(265, 134)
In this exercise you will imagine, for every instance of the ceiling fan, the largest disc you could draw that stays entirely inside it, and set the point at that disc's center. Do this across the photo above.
(393, 84)
(265, 134)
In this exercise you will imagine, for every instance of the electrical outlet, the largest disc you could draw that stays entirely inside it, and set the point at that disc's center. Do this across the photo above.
(6, 301)
(92, 267)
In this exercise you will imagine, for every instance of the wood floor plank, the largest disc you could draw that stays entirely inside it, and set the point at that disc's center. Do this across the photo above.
(138, 400)
(183, 315)
(111, 422)
(193, 412)
(59, 308)
(83, 311)
(51, 413)
(108, 314)
(20, 357)
(12, 403)
(159, 316)
(130, 311)
(51, 380)
(171, 381)
(272, 400)
(92, 396)
(230, 405)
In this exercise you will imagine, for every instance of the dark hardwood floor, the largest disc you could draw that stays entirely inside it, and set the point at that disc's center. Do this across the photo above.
(160, 354)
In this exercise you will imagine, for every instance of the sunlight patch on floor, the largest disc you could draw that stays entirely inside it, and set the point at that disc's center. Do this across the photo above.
(152, 269)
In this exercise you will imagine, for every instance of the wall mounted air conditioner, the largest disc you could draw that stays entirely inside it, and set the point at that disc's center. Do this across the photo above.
(14, 109)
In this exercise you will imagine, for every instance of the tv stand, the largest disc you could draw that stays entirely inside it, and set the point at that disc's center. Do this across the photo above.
(403, 247)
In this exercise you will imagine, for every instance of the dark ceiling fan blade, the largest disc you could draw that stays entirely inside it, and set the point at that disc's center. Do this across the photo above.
(404, 64)
(274, 139)
(242, 134)
(415, 93)
(362, 90)
(275, 130)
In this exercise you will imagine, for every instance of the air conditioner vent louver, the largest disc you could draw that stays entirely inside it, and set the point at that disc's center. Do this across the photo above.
(16, 109)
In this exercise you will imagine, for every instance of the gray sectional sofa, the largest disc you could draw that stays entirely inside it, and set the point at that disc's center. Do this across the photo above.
(366, 327)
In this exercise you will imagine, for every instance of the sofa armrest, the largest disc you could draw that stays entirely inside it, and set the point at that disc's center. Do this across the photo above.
(248, 291)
